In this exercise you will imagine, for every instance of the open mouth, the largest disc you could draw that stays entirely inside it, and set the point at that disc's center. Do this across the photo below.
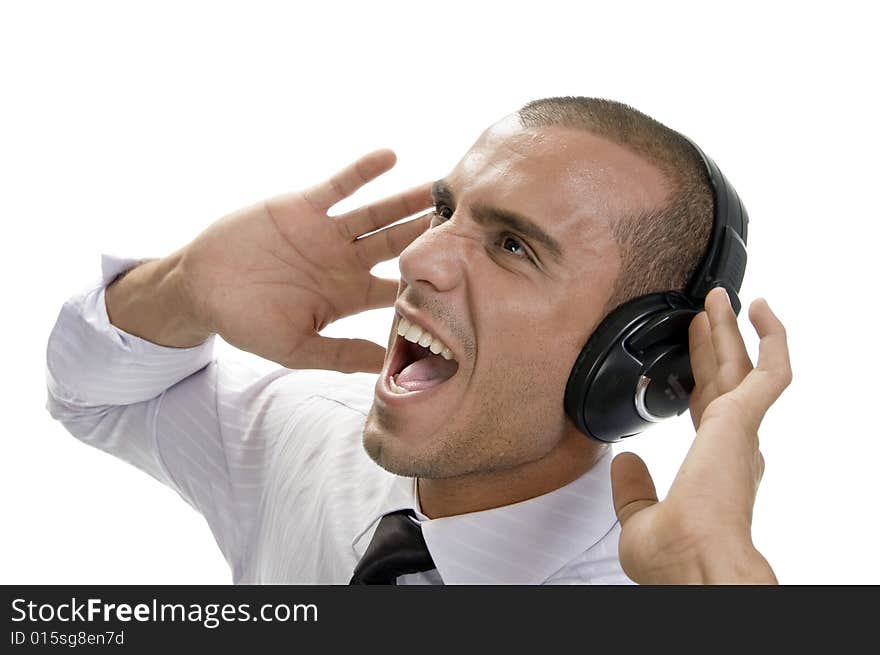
(414, 365)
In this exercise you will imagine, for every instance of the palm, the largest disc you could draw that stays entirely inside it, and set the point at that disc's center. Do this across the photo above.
(268, 278)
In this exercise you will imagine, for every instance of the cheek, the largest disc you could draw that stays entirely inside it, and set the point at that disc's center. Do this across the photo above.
(530, 362)
(533, 340)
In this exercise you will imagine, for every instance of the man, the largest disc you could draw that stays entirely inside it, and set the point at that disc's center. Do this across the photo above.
(460, 448)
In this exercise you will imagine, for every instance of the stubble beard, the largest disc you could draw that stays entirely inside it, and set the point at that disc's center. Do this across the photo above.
(450, 454)
(382, 447)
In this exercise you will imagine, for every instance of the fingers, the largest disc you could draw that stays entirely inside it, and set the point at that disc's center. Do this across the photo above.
(372, 217)
(703, 365)
(702, 351)
(391, 241)
(773, 354)
(324, 195)
(631, 486)
(759, 465)
(733, 362)
(381, 292)
(343, 355)
(763, 386)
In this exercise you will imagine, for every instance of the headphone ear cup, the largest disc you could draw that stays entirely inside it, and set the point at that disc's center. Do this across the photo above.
(623, 377)
(600, 388)
(665, 384)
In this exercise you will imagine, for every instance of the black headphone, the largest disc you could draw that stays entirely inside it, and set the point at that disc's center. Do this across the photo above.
(635, 370)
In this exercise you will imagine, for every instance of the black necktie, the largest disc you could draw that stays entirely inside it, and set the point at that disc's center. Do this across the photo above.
(397, 548)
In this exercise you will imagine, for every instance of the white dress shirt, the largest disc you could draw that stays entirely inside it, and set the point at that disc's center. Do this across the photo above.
(275, 463)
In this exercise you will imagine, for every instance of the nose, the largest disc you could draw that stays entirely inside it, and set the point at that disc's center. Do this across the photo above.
(439, 257)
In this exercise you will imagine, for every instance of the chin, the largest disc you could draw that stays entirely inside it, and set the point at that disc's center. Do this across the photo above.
(400, 456)
(382, 451)
(392, 438)
(378, 441)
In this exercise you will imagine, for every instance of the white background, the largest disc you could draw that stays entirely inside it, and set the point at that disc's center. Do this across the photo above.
(129, 127)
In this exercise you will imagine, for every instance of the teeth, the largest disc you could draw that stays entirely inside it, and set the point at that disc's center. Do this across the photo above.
(417, 334)
(392, 382)
(413, 333)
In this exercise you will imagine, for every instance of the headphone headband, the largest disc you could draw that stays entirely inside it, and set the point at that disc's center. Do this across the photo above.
(724, 263)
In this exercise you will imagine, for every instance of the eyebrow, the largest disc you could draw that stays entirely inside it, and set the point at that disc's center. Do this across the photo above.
(484, 214)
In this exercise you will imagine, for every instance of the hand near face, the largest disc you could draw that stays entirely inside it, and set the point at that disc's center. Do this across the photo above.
(701, 531)
(270, 277)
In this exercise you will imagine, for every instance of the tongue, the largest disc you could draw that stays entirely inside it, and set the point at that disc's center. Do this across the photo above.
(427, 372)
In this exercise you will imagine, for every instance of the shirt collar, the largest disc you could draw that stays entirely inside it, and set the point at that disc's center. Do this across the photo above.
(522, 543)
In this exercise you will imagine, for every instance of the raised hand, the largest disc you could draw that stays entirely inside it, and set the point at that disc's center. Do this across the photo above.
(269, 277)
(701, 531)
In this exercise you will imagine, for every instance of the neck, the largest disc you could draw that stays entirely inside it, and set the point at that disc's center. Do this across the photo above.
(475, 492)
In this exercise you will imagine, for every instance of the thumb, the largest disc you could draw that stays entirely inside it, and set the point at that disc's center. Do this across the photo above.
(343, 355)
(631, 486)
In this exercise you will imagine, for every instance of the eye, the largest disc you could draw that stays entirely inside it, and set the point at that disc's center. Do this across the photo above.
(507, 241)
(512, 245)
(442, 211)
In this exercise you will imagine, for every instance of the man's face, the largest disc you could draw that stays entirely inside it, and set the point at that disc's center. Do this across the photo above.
(514, 307)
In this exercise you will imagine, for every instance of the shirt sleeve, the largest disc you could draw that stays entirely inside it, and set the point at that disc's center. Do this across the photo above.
(203, 427)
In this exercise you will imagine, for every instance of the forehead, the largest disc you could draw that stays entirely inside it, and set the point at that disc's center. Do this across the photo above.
(571, 182)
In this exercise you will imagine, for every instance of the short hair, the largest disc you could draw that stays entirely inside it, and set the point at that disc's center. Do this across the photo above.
(660, 247)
